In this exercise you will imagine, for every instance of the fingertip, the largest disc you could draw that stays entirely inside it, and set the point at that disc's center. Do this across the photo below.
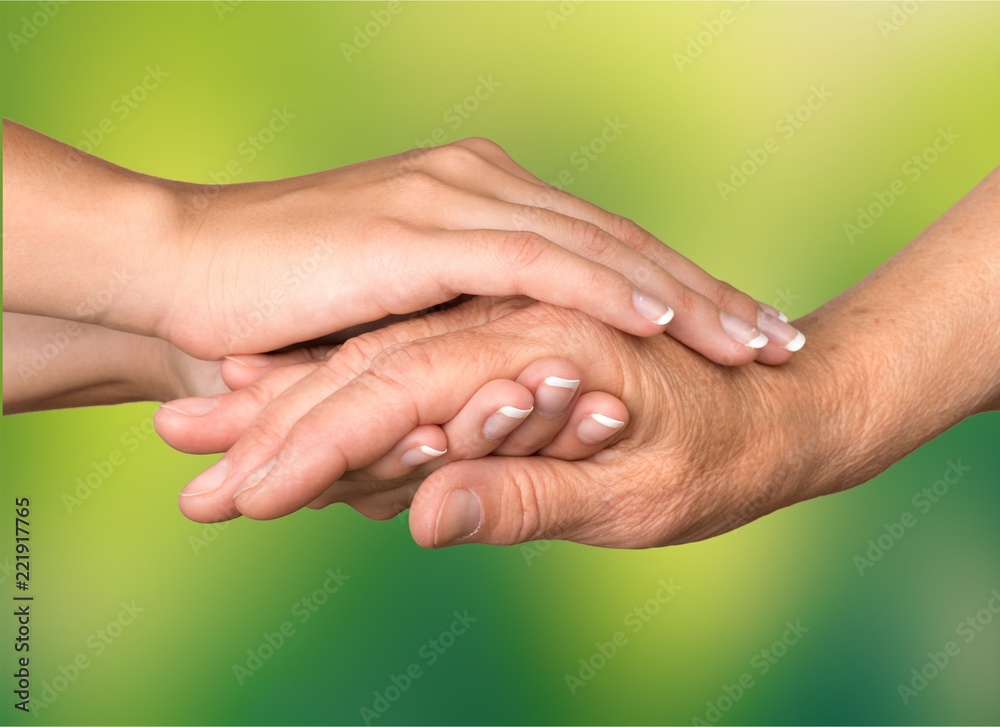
(428, 506)
(459, 517)
(175, 428)
(729, 353)
(237, 375)
(597, 428)
(423, 445)
(163, 421)
(242, 370)
(771, 310)
(423, 515)
(781, 334)
(486, 420)
(718, 335)
(655, 313)
(207, 509)
(597, 420)
(256, 501)
(774, 355)
(204, 434)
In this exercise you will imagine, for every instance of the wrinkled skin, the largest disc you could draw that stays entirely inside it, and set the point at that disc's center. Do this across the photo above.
(704, 452)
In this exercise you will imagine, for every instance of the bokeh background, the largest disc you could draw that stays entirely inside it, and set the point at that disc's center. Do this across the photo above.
(694, 99)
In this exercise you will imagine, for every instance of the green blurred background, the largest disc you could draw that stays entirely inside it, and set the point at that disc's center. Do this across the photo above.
(891, 75)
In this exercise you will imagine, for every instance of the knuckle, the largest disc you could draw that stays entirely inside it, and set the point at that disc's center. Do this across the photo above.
(401, 363)
(420, 182)
(261, 394)
(685, 301)
(525, 511)
(333, 374)
(544, 504)
(735, 301)
(518, 250)
(602, 283)
(593, 242)
(629, 232)
(482, 145)
(382, 228)
(453, 157)
(548, 197)
(355, 354)
(263, 435)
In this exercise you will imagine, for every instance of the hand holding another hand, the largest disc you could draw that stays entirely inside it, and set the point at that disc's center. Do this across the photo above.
(250, 268)
(700, 456)
(706, 449)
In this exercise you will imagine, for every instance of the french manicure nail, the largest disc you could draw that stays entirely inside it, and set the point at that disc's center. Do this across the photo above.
(781, 333)
(209, 480)
(554, 395)
(504, 421)
(597, 427)
(194, 406)
(773, 311)
(651, 309)
(251, 360)
(255, 477)
(420, 455)
(459, 517)
(742, 332)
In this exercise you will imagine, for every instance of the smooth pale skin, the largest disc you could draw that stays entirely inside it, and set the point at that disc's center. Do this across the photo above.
(905, 354)
(249, 268)
(49, 363)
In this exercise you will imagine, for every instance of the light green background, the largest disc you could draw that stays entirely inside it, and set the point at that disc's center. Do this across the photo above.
(780, 237)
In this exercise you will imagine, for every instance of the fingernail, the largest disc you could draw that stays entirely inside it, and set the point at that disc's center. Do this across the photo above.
(741, 331)
(209, 480)
(195, 406)
(251, 360)
(255, 478)
(781, 333)
(773, 311)
(504, 421)
(458, 518)
(420, 455)
(554, 395)
(596, 428)
(651, 309)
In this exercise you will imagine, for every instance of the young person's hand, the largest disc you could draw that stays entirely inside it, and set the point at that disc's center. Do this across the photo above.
(51, 363)
(247, 268)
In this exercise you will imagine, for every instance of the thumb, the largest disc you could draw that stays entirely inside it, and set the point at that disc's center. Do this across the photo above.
(507, 500)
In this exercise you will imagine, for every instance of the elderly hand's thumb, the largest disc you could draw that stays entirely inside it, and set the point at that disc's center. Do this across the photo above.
(503, 501)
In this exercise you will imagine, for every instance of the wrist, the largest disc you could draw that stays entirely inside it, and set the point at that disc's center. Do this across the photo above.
(191, 305)
(828, 414)
(146, 259)
(801, 433)
(876, 390)
(151, 370)
(840, 393)
(84, 240)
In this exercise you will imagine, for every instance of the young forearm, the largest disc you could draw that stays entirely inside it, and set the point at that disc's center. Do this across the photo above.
(914, 348)
(83, 239)
(50, 363)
